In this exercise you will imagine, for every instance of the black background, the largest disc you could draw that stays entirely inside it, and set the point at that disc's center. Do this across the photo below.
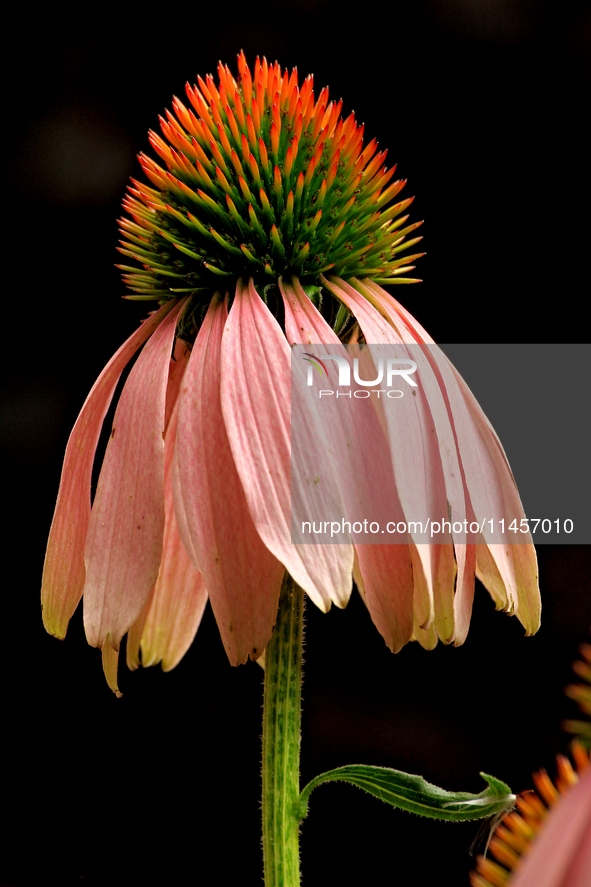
(482, 105)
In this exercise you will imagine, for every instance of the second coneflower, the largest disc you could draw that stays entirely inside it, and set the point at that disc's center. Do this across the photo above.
(546, 842)
(267, 223)
(518, 834)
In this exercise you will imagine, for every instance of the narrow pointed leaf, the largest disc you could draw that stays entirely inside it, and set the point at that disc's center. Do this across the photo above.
(415, 795)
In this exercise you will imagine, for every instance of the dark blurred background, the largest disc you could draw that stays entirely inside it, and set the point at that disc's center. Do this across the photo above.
(482, 105)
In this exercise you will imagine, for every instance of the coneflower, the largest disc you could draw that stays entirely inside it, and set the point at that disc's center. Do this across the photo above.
(547, 841)
(516, 837)
(267, 223)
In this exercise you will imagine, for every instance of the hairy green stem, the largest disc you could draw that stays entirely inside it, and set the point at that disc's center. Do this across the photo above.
(281, 741)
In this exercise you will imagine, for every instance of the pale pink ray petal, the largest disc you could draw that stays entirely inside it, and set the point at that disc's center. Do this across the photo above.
(488, 573)
(177, 367)
(516, 564)
(177, 607)
(444, 570)
(304, 325)
(464, 594)
(124, 543)
(384, 572)
(423, 595)
(316, 470)
(418, 332)
(179, 597)
(242, 576)
(522, 559)
(444, 597)
(458, 505)
(256, 409)
(494, 498)
(513, 566)
(64, 572)
(442, 624)
(454, 486)
(387, 589)
(561, 854)
(413, 445)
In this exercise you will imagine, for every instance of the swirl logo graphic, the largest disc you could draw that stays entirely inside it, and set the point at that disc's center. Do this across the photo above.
(315, 361)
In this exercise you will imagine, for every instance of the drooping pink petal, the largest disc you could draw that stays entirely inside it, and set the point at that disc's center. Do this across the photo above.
(413, 446)
(508, 568)
(242, 576)
(177, 606)
(166, 628)
(561, 854)
(460, 507)
(495, 501)
(385, 580)
(180, 595)
(177, 367)
(64, 572)
(464, 596)
(304, 325)
(319, 477)
(256, 408)
(444, 625)
(384, 571)
(419, 333)
(390, 309)
(523, 565)
(125, 533)
(344, 437)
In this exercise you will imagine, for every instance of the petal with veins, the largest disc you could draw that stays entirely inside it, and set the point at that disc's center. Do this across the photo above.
(64, 572)
(242, 576)
(509, 571)
(124, 544)
(256, 408)
(457, 507)
(167, 628)
(413, 445)
(361, 451)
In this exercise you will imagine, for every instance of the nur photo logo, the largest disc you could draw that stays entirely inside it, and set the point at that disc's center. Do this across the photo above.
(388, 372)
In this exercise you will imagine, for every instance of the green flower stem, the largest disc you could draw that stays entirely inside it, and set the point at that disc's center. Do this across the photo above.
(281, 741)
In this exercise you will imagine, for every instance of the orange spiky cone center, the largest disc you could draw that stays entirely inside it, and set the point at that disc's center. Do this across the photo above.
(257, 178)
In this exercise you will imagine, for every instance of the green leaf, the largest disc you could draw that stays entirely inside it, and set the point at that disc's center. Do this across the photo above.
(416, 795)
